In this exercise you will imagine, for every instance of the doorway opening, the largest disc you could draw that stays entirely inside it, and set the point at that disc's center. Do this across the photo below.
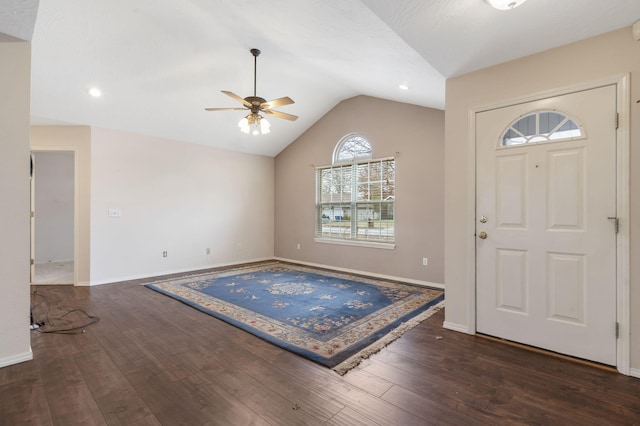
(53, 217)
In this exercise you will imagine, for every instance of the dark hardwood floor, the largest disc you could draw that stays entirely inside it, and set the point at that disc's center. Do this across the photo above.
(152, 360)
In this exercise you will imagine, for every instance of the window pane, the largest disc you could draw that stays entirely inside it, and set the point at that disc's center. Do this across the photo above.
(363, 182)
(549, 121)
(367, 213)
(375, 221)
(541, 126)
(526, 125)
(569, 125)
(351, 148)
(335, 222)
(511, 137)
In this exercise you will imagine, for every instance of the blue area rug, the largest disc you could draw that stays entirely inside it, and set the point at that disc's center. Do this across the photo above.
(325, 316)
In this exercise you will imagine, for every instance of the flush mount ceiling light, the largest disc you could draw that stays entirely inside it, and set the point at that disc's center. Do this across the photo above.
(403, 87)
(505, 4)
(94, 92)
(254, 123)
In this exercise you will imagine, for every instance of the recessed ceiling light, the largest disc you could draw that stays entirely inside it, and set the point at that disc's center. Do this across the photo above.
(403, 87)
(95, 92)
(505, 4)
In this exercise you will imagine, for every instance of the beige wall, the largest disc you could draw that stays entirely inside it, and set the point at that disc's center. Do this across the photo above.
(412, 134)
(15, 71)
(602, 57)
(78, 140)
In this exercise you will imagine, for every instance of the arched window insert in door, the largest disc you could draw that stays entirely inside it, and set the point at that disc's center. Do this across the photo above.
(541, 126)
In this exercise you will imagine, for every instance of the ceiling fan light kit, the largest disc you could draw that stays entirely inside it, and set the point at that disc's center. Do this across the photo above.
(255, 123)
(505, 4)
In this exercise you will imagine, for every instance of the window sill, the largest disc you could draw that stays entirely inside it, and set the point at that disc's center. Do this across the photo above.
(370, 244)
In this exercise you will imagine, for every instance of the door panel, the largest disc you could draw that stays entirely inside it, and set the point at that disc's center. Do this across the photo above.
(512, 281)
(546, 271)
(565, 209)
(511, 191)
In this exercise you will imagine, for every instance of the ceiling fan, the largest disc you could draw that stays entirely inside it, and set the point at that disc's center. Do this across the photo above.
(256, 105)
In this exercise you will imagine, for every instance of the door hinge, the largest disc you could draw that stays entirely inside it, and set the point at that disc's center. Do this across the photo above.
(616, 223)
(617, 330)
(32, 261)
(33, 214)
(617, 120)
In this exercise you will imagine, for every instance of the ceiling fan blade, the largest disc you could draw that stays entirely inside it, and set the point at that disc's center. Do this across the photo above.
(279, 114)
(237, 98)
(276, 103)
(225, 109)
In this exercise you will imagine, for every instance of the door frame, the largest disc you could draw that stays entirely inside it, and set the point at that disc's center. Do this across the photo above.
(76, 238)
(623, 301)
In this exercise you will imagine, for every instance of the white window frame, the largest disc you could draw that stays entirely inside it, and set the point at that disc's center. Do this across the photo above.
(358, 235)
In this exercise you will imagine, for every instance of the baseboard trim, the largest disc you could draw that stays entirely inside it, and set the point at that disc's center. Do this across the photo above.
(263, 259)
(16, 359)
(366, 273)
(174, 271)
(634, 372)
(457, 327)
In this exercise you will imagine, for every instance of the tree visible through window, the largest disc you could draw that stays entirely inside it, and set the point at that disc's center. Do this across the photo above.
(352, 148)
(356, 201)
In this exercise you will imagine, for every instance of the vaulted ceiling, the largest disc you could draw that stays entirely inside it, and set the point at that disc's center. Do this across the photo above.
(159, 63)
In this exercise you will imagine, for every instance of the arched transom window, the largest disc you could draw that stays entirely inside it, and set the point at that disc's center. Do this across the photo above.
(541, 126)
(351, 148)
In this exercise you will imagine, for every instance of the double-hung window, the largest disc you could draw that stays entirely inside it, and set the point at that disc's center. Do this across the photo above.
(356, 195)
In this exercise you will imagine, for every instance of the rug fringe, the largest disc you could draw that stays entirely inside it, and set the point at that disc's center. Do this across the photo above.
(376, 347)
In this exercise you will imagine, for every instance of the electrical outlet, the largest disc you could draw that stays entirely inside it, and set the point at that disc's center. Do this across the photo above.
(298, 246)
(164, 254)
(425, 261)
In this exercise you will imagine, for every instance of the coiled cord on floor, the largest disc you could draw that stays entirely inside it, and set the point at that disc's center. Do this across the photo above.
(49, 326)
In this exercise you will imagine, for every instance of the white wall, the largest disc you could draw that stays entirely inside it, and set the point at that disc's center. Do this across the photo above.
(15, 67)
(53, 199)
(175, 197)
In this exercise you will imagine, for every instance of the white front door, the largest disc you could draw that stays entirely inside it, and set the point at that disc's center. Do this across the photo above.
(546, 228)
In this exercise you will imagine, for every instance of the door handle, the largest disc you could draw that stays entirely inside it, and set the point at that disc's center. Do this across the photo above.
(482, 235)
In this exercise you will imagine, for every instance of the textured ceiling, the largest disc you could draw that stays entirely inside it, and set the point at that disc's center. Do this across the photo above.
(460, 36)
(159, 63)
(17, 19)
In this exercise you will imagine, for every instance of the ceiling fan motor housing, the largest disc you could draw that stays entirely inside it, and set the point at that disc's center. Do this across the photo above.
(255, 102)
